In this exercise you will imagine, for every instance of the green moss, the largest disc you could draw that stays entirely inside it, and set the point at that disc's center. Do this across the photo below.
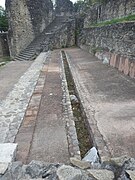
(129, 18)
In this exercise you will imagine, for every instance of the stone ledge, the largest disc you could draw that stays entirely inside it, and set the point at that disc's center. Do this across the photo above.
(7, 152)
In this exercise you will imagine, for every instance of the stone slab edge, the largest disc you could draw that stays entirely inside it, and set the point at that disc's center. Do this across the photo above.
(96, 136)
(7, 155)
(73, 144)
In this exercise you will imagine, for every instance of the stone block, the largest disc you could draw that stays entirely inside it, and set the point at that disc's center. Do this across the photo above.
(68, 173)
(101, 174)
(117, 61)
(126, 66)
(7, 152)
(112, 60)
(132, 70)
(3, 167)
(120, 64)
(78, 163)
(131, 174)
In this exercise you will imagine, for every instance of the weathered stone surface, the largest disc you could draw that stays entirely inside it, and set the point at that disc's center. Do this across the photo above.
(101, 174)
(64, 7)
(110, 38)
(78, 163)
(34, 169)
(69, 173)
(91, 156)
(7, 152)
(120, 160)
(13, 107)
(130, 164)
(3, 167)
(131, 174)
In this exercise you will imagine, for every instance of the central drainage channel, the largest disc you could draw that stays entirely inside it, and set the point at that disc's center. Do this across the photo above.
(85, 142)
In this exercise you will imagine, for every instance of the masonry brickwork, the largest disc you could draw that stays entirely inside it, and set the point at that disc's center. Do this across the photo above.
(27, 19)
(109, 10)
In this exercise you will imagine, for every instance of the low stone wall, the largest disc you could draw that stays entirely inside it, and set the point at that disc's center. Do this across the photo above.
(114, 44)
(4, 51)
(109, 10)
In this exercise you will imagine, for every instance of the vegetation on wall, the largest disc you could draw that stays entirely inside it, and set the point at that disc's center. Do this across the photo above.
(3, 20)
(128, 18)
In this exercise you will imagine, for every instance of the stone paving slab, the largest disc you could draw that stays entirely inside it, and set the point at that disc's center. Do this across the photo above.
(108, 98)
(7, 152)
(42, 135)
(50, 140)
(13, 107)
(10, 74)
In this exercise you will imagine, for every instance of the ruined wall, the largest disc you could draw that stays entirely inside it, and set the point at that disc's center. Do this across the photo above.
(27, 18)
(4, 51)
(109, 10)
(111, 43)
(61, 38)
(64, 7)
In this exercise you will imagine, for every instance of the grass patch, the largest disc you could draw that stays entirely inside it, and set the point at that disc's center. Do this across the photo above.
(129, 18)
(5, 59)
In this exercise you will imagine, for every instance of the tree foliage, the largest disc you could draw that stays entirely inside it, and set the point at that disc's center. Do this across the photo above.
(3, 20)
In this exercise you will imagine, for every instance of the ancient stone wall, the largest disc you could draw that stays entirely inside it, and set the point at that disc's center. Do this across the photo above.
(113, 41)
(4, 51)
(61, 38)
(27, 18)
(109, 10)
(64, 7)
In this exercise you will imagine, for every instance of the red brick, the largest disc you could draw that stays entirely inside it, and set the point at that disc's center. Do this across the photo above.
(132, 70)
(117, 61)
(126, 66)
(120, 64)
(112, 60)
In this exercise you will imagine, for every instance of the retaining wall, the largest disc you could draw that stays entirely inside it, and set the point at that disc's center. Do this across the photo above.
(113, 44)
(110, 9)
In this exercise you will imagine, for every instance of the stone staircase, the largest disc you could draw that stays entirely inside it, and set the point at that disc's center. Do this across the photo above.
(35, 46)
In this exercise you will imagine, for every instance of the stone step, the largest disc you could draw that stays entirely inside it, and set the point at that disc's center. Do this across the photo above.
(27, 54)
(7, 155)
(21, 59)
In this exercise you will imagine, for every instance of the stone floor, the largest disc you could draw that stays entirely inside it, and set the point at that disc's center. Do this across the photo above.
(42, 135)
(108, 98)
(31, 109)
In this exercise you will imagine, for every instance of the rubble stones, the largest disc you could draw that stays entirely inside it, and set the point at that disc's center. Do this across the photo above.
(91, 156)
(102, 174)
(79, 163)
(3, 168)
